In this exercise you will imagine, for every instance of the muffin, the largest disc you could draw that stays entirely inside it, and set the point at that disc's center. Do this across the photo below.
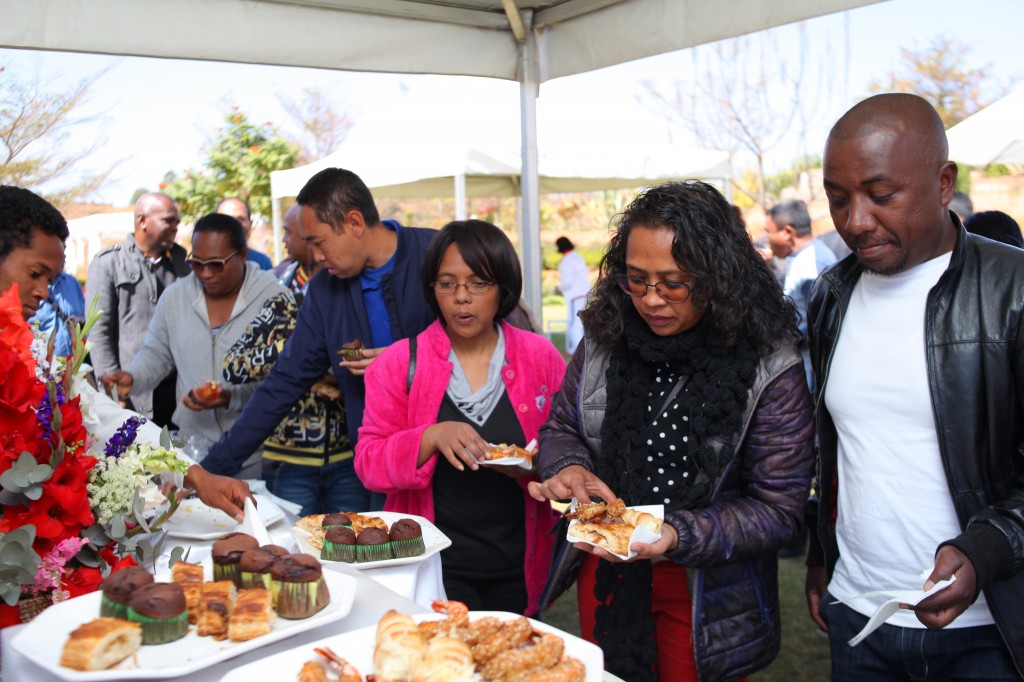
(227, 551)
(335, 521)
(118, 589)
(406, 538)
(373, 544)
(160, 609)
(254, 567)
(276, 550)
(299, 590)
(339, 545)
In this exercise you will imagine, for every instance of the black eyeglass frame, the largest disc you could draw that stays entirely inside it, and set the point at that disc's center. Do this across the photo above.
(623, 280)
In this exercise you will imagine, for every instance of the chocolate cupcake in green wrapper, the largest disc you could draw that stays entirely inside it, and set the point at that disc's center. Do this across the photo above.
(254, 567)
(336, 521)
(227, 552)
(118, 589)
(160, 609)
(297, 581)
(339, 545)
(406, 539)
(373, 544)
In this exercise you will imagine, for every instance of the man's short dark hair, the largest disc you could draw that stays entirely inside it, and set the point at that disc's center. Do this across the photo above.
(21, 211)
(563, 244)
(995, 225)
(489, 254)
(243, 202)
(793, 213)
(224, 224)
(333, 192)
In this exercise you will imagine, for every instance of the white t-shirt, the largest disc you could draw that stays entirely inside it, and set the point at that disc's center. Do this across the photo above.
(573, 276)
(894, 502)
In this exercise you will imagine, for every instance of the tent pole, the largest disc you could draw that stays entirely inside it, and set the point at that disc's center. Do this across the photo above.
(460, 196)
(276, 225)
(529, 236)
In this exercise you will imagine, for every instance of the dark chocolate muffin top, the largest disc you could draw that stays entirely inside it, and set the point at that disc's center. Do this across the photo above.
(296, 568)
(158, 600)
(120, 585)
(338, 519)
(405, 529)
(341, 536)
(372, 536)
(276, 550)
(256, 560)
(228, 549)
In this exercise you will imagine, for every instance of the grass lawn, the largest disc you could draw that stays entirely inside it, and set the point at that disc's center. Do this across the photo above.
(804, 656)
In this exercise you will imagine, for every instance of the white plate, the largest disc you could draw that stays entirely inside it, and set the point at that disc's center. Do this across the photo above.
(507, 462)
(195, 521)
(356, 647)
(433, 539)
(42, 640)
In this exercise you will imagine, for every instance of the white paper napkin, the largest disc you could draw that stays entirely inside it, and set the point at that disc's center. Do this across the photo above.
(892, 605)
(252, 524)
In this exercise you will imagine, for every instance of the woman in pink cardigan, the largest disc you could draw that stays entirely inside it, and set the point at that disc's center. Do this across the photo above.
(476, 380)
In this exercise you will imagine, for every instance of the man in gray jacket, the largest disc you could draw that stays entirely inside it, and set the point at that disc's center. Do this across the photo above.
(127, 279)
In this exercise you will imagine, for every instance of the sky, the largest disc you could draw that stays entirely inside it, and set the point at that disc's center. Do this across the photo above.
(156, 115)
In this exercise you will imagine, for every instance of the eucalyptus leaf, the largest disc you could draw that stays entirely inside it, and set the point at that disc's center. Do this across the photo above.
(165, 439)
(34, 491)
(118, 527)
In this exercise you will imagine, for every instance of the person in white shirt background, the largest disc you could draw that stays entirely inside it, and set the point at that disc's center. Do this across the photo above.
(574, 283)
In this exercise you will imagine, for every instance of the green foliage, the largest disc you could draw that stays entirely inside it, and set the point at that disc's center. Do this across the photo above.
(18, 562)
(238, 164)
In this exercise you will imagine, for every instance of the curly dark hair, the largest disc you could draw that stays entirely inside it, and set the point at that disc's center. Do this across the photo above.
(729, 277)
(21, 211)
(487, 251)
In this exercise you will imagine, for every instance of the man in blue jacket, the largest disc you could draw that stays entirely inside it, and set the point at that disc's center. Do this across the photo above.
(368, 291)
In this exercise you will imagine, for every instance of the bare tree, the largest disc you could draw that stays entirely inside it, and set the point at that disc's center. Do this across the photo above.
(323, 124)
(939, 74)
(35, 120)
(745, 98)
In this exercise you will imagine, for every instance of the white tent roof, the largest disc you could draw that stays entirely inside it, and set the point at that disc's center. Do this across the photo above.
(993, 135)
(462, 37)
(530, 41)
(419, 146)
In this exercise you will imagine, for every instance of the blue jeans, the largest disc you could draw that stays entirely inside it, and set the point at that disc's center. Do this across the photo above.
(893, 653)
(326, 490)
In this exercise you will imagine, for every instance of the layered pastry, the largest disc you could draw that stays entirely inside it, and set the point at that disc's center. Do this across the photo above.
(118, 589)
(215, 606)
(406, 538)
(373, 544)
(445, 658)
(189, 577)
(227, 551)
(298, 585)
(339, 545)
(252, 615)
(160, 609)
(101, 643)
(254, 568)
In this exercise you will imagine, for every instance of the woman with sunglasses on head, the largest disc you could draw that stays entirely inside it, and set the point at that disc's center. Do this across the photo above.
(197, 321)
(688, 392)
(475, 381)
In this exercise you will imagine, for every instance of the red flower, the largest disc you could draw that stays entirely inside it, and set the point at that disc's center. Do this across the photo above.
(82, 580)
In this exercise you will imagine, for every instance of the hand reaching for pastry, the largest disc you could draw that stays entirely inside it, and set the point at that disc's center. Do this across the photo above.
(457, 442)
(572, 481)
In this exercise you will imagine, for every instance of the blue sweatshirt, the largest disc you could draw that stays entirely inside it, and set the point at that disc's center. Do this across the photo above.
(331, 315)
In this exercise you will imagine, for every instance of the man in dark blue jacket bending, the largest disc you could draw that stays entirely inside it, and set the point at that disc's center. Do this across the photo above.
(368, 292)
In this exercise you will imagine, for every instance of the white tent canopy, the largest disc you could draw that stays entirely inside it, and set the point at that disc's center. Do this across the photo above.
(427, 144)
(493, 38)
(993, 135)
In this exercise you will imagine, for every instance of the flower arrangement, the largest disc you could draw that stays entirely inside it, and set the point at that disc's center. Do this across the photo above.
(70, 510)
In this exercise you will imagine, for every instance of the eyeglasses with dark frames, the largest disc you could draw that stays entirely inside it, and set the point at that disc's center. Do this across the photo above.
(671, 292)
(215, 265)
(447, 287)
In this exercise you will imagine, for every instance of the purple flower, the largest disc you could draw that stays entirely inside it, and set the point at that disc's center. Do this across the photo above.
(124, 437)
(44, 411)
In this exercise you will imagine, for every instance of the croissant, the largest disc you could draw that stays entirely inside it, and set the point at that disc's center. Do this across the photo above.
(637, 518)
(400, 647)
(446, 660)
(101, 643)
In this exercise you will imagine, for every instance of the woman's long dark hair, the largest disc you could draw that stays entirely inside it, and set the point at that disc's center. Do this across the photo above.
(729, 277)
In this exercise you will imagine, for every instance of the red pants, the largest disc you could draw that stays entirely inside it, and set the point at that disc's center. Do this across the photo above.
(670, 608)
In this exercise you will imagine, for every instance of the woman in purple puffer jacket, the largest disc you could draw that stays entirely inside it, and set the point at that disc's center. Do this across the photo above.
(688, 392)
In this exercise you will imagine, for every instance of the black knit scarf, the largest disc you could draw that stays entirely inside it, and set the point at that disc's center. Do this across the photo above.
(718, 383)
